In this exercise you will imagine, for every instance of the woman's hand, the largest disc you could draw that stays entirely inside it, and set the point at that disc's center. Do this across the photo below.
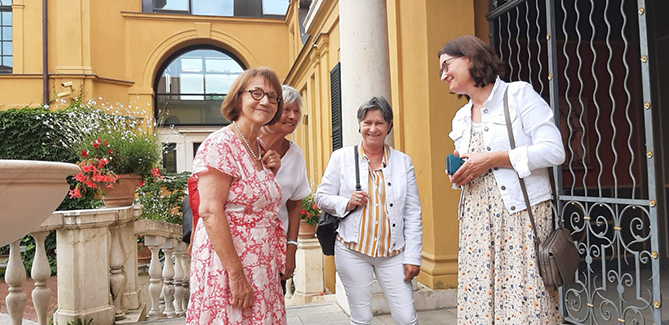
(410, 271)
(477, 164)
(272, 160)
(240, 289)
(290, 265)
(358, 199)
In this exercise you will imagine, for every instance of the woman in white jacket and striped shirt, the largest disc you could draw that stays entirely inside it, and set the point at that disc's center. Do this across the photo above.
(382, 230)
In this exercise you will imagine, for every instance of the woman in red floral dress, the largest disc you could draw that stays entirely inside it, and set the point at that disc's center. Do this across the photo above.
(239, 247)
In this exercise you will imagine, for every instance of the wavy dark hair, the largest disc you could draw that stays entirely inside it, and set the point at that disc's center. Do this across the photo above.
(486, 65)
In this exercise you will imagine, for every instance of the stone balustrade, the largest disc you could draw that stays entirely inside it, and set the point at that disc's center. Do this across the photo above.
(97, 268)
(170, 279)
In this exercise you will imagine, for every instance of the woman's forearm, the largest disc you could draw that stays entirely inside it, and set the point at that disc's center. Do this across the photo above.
(221, 240)
(499, 159)
(293, 208)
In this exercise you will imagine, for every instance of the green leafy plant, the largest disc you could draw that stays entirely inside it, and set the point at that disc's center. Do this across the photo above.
(79, 321)
(107, 142)
(29, 134)
(310, 211)
(162, 197)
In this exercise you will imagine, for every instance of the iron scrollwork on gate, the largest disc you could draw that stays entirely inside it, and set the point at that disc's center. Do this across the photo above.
(588, 59)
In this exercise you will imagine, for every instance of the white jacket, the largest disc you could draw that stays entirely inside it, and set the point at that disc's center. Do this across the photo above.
(402, 202)
(538, 141)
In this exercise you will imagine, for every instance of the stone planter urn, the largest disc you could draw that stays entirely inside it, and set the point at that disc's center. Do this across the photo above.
(29, 192)
(123, 192)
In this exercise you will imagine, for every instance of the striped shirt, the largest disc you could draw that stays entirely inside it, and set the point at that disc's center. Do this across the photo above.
(374, 239)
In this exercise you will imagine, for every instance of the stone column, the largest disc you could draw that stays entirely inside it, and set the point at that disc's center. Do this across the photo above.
(308, 277)
(131, 300)
(83, 266)
(365, 68)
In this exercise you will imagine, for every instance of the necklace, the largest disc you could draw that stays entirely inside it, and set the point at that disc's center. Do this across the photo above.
(247, 143)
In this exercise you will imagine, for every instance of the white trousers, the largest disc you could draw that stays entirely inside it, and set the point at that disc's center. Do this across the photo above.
(356, 272)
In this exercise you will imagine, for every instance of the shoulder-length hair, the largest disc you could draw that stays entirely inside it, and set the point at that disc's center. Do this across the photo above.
(486, 65)
(231, 106)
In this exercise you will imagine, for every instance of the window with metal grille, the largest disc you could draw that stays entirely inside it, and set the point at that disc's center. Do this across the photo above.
(335, 99)
(6, 59)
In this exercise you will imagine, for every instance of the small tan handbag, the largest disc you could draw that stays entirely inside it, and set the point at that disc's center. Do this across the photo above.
(557, 256)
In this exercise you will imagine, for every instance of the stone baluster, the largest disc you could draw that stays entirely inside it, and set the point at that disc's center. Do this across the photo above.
(161, 301)
(155, 282)
(178, 279)
(117, 276)
(185, 262)
(168, 277)
(15, 275)
(40, 272)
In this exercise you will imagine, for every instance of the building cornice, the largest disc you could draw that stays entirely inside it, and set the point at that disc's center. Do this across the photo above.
(173, 17)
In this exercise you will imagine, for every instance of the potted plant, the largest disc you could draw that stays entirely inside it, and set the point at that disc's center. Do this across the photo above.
(309, 216)
(117, 154)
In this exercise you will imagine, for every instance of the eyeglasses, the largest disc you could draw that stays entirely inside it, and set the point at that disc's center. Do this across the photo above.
(258, 94)
(444, 66)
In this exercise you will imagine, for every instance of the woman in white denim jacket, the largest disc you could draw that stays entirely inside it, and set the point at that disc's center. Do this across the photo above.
(498, 279)
(382, 229)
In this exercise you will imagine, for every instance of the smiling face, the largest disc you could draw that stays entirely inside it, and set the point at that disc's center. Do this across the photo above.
(258, 111)
(290, 118)
(374, 128)
(455, 72)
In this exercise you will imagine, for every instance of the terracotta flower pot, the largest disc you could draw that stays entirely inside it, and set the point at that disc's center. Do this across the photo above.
(143, 254)
(306, 230)
(123, 192)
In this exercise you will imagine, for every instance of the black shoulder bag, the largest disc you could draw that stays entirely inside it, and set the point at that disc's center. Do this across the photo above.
(557, 256)
(326, 229)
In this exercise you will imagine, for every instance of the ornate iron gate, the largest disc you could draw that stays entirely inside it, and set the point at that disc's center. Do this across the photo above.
(589, 60)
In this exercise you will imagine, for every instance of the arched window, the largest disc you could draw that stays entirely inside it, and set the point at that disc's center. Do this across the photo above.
(192, 85)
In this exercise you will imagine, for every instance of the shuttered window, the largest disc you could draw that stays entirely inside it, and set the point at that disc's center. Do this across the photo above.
(335, 100)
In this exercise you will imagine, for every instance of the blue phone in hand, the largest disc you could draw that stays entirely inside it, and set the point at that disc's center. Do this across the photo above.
(453, 162)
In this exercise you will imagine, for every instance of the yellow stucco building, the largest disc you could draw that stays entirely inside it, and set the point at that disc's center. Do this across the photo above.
(181, 56)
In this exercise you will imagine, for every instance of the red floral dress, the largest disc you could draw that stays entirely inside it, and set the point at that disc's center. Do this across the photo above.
(257, 234)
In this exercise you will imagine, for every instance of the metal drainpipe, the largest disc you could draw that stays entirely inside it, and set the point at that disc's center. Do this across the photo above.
(45, 54)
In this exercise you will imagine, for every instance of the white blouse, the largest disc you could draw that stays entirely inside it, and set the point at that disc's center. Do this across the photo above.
(292, 177)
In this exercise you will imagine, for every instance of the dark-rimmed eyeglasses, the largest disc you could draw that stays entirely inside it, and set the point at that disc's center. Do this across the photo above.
(258, 94)
(445, 65)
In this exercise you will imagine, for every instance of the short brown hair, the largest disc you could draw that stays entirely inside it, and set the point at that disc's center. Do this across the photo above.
(231, 106)
(486, 65)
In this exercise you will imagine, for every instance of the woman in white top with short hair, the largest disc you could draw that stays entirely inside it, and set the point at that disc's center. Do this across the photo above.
(382, 232)
(292, 176)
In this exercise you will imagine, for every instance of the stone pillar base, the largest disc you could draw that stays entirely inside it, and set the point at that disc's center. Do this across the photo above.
(102, 315)
(309, 277)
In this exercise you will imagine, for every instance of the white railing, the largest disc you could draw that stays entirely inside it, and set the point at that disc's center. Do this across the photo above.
(97, 268)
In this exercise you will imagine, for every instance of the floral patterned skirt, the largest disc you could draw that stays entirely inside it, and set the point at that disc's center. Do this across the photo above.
(498, 279)
(262, 261)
